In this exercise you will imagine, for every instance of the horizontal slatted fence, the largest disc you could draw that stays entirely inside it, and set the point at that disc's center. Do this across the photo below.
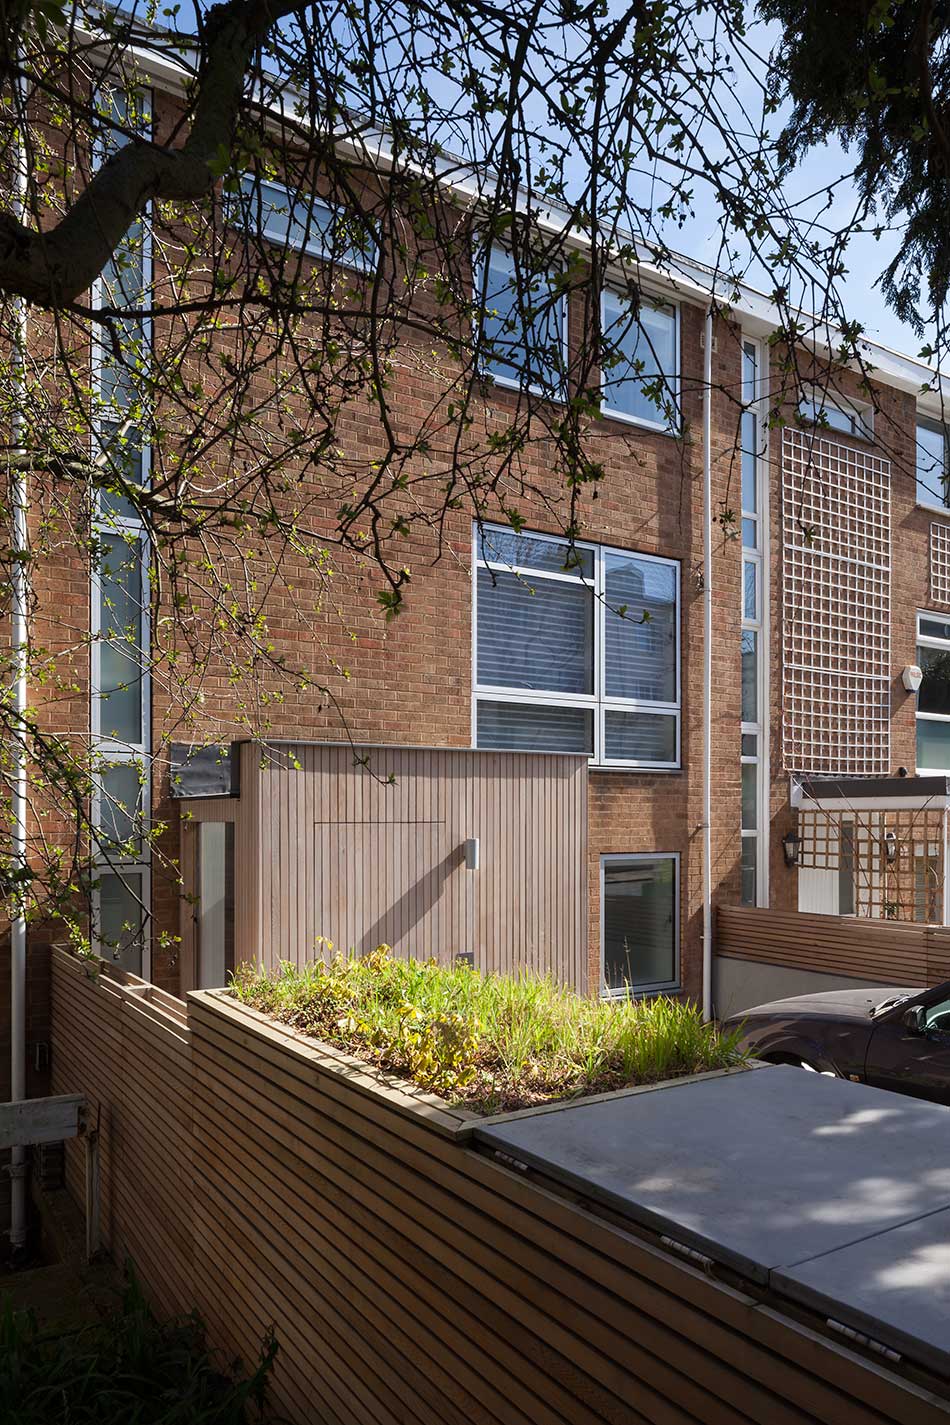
(410, 1279)
(892, 951)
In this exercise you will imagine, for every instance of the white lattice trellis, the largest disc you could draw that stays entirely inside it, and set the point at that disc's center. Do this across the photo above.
(940, 563)
(836, 518)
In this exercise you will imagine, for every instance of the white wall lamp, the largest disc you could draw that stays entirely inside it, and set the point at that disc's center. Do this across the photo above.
(889, 843)
(471, 853)
(912, 677)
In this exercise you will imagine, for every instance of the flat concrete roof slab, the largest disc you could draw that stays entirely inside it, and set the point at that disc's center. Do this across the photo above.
(895, 1287)
(758, 1170)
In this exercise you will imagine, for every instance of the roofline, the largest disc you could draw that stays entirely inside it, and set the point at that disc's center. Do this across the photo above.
(692, 280)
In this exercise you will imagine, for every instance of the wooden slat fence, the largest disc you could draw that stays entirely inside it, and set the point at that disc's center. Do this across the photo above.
(411, 1280)
(891, 951)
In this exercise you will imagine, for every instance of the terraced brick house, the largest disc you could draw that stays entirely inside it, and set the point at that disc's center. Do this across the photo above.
(534, 770)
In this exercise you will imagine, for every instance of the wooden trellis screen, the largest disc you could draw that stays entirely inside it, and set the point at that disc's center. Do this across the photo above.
(896, 858)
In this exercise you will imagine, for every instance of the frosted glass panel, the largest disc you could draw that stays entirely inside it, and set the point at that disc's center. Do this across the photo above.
(933, 745)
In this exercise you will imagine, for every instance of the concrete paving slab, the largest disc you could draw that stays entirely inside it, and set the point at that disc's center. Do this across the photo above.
(758, 1170)
(895, 1287)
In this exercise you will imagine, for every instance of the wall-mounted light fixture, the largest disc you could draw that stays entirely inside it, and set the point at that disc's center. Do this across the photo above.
(791, 845)
(471, 854)
(912, 677)
(889, 843)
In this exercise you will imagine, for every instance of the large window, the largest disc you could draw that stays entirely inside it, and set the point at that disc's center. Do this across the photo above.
(932, 467)
(640, 366)
(301, 222)
(576, 650)
(523, 324)
(639, 924)
(933, 699)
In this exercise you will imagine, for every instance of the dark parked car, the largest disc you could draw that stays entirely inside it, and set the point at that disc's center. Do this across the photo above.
(893, 1038)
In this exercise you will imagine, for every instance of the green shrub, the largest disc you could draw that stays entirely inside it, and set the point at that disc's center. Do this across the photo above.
(127, 1370)
(488, 1042)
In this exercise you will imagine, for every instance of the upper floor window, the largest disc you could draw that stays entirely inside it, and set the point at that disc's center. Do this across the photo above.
(301, 222)
(523, 324)
(933, 699)
(576, 650)
(639, 364)
(839, 414)
(933, 473)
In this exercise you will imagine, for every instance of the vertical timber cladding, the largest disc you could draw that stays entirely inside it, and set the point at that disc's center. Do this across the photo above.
(836, 536)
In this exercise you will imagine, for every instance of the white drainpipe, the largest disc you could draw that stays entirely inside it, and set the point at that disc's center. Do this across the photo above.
(707, 665)
(18, 854)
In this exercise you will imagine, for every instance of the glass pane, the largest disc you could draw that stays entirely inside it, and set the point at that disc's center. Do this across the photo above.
(750, 534)
(932, 465)
(749, 436)
(120, 806)
(933, 745)
(301, 222)
(535, 634)
(750, 774)
(121, 920)
(935, 627)
(750, 602)
(750, 700)
(934, 693)
(526, 551)
(522, 328)
(750, 744)
(527, 727)
(639, 923)
(748, 870)
(749, 372)
(119, 589)
(640, 628)
(640, 737)
(639, 361)
(829, 417)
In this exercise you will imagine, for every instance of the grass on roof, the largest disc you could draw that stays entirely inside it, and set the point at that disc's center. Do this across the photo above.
(487, 1043)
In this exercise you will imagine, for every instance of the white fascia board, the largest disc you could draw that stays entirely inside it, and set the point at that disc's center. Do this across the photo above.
(690, 280)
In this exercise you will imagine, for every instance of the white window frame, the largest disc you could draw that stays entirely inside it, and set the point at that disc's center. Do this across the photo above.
(939, 427)
(925, 640)
(111, 523)
(659, 987)
(673, 379)
(597, 701)
(510, 383)
(237, 204)
(756, 400)
(859, 414)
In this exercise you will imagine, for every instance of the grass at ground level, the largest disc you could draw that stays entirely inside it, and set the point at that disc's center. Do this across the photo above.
(489, 1043)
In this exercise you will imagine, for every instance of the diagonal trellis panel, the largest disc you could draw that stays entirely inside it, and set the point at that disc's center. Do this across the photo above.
(836, 615)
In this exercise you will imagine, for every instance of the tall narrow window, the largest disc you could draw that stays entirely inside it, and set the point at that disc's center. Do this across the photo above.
(119, 710)
(933, 468)
(639, 924)
(754, 680)
(576, 650)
